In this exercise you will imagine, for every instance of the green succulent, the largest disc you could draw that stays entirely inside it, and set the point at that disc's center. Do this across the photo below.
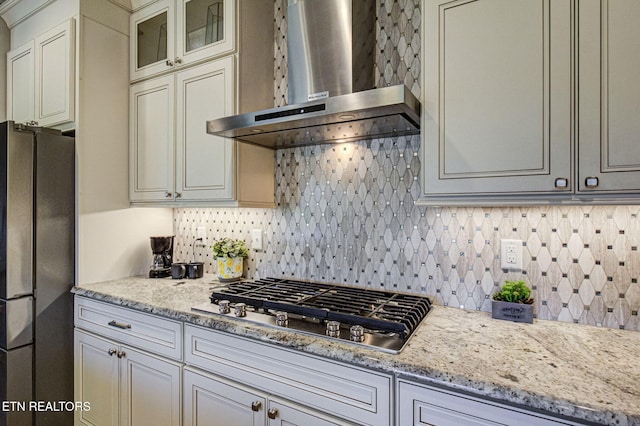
(229, 247)
(514, 291)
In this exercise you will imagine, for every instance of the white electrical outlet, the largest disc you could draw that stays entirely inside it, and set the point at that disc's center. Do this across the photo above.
(256, 239)
(511, 254)
(201, 232)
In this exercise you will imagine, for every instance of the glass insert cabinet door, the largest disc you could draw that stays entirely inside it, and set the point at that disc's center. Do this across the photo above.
(204, 23)
(205, 29)
(173, 33)
(152, 40)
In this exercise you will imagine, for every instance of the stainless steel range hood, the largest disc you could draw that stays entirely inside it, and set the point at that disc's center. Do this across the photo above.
(331, 45)
(362, 115)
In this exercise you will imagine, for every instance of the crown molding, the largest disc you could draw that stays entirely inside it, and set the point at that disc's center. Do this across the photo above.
(15, 11)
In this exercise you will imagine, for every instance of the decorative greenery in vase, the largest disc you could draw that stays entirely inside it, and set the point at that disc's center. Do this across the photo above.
(514, 292)
(513, 302)
(230, 254)
(228, 247)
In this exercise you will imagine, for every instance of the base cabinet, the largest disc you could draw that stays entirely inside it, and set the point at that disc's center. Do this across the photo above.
(420, 404)
(124, 386)
(320, 391)
(214, 401)
(126, 366)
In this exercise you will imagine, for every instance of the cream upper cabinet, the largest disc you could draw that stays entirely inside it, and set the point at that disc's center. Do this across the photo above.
(608, 96)
(151, 140)
(538, 107)
(173, 161)
(204, 163)
(21, 83)
(497, 98)
(172, 33)
(182, 164)
(41, 78)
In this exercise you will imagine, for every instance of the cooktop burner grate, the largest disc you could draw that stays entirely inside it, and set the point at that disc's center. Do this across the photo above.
(377, 311)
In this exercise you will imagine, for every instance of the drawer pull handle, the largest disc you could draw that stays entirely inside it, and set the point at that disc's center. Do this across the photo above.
(562, 183)
(116, 324)
(256, 405)
(111, 352)
(272, 413)
(591, 182)
(121, 354)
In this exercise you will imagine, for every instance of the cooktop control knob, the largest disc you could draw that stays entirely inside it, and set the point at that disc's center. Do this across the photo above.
(282, 319)
(333, 329)
(223, 306)
(240, 310)
(356, 333)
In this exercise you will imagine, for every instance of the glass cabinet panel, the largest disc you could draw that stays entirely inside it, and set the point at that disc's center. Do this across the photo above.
(204, 23)
(152, 40)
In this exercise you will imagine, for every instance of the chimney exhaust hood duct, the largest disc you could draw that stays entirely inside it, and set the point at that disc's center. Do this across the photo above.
(331, 54)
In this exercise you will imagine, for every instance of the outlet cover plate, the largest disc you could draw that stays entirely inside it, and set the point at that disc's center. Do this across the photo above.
(511, 254)
(256, 239)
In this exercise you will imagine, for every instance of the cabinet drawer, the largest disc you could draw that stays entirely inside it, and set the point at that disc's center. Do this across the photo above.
(345, 391)
(157, 335)
(424, 405)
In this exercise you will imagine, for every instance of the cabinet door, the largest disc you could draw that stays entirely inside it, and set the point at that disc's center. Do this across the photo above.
(213, 401)
(205, 164)
(497, 97)
(149, 389)
(608, 96)
(96, 379)
(152, 32)
(205, 28)
(151, 140)
(55, 75)
(20, 83)
(282, 413)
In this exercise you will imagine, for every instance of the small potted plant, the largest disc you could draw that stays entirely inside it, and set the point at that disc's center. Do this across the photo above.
(230, 254)
(513, 302)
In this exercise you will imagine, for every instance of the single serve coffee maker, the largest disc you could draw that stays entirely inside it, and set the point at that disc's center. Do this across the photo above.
(162, 248)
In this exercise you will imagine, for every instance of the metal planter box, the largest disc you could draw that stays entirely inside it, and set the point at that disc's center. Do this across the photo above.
(518, 312)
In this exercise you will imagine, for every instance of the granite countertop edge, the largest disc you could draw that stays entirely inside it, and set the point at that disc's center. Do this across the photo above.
(413, 363)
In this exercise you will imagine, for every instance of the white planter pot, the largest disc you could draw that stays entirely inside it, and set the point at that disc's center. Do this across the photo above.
(230, 268)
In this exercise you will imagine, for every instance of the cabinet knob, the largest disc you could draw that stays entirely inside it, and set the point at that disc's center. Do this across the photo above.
(591, 182)
(562, 182)
(169, 63)
(167, 194)
(272, 413)
(256, 405)
(178, 60)
(111, 351)
(178, 194)
(121, 354)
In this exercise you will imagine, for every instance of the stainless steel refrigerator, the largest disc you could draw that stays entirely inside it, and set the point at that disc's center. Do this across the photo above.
(37, 260)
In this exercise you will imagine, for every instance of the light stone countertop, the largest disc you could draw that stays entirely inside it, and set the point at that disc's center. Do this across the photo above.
(580, 371)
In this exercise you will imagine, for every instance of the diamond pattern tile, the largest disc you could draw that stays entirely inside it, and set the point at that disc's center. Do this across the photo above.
(346, 213)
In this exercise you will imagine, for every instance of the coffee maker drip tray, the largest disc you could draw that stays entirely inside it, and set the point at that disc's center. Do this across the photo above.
(160, 273)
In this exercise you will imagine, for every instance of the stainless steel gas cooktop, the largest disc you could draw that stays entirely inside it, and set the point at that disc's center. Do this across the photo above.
(378, 319)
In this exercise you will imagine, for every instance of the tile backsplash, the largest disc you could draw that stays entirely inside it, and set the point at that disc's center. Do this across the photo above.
(345, 213)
